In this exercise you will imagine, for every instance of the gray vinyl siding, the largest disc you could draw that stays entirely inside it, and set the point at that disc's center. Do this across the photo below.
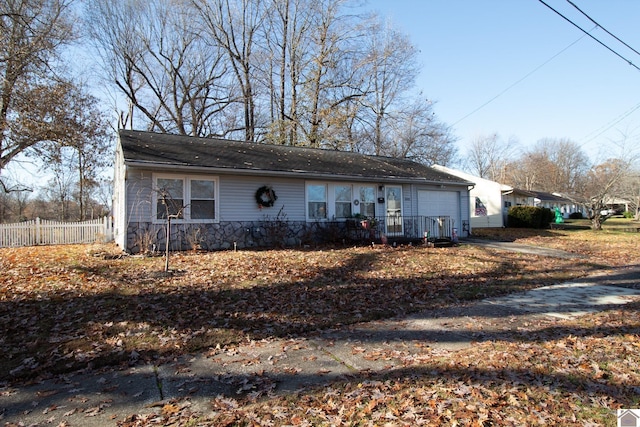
(238, 203)
(409, 196)
(236, 197)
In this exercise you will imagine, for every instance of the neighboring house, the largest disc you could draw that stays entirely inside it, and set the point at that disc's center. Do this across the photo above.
(223, 194)
(556, 200)
(490, 200)
(617, 205)
(515, 197)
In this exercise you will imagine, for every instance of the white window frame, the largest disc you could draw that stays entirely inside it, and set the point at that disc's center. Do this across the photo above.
(330, 198)
(335, 200)
(307, 201)
(186, 194)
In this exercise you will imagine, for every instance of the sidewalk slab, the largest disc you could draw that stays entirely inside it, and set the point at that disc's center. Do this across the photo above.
(257, 369)
(91, 399)
(522, 248)
(569, 299)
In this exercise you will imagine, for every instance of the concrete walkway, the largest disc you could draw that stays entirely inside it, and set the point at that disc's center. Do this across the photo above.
(521, 248)
(102, 398)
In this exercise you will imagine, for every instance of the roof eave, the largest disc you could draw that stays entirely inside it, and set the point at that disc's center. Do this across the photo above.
(307, 174)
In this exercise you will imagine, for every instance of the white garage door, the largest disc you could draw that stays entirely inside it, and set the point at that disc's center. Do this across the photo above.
(440, 204)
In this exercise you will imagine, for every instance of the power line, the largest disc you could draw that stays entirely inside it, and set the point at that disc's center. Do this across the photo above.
(598, 132)
(600, 26)
(609, 125)
(594, 38)
(519, 80)
(586, 33)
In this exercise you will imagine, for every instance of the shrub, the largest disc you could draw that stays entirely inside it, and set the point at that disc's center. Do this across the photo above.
(529, 217)
(627, 214)
(576, 215)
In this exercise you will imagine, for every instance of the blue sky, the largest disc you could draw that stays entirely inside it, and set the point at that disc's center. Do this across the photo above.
(474, 50)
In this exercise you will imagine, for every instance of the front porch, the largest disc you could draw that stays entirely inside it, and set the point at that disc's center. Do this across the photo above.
(402, 229)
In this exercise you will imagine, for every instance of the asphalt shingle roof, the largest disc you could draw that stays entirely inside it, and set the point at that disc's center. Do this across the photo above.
(157, 150)
(549, 197)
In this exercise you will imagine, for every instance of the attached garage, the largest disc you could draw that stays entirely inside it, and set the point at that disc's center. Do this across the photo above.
(442, 209)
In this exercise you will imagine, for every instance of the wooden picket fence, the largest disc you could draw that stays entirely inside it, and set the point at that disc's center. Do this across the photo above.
(45, 232)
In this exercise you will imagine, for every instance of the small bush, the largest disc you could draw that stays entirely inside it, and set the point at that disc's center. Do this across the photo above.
(576, 215)
(529, 217)
(627, 214)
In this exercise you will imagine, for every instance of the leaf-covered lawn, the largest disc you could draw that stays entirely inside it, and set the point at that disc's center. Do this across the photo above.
(577, 374)
(68, 307)
(605, 247)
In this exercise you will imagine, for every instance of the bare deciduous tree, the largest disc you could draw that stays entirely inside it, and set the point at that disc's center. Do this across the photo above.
(552, 165)
(59, 164)
(327, 73)
(159, 59)
(298, 72)
(601, 183)
(13, 204)
(286, 35)
(489, 156)
(419, 136)
(560, 166)
(630, 191)
(234, 27)
(392, 69)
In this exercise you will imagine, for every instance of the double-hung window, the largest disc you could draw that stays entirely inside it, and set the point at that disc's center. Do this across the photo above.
(340, 200)
(203, 201)
(317, 201)
(169, 198)
(184, 198)
(343, 201)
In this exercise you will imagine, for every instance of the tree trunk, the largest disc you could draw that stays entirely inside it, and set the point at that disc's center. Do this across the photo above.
(283, 71)
(4, 111)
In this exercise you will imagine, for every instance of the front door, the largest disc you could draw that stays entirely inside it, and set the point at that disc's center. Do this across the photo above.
(393, 218)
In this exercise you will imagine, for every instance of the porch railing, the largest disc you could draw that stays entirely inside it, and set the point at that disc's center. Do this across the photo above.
(406, 227)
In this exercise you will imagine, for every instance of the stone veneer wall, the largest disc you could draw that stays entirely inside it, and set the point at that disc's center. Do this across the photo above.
(148, 237)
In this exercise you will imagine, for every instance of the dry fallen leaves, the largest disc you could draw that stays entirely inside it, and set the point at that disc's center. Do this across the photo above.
(65, 308)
